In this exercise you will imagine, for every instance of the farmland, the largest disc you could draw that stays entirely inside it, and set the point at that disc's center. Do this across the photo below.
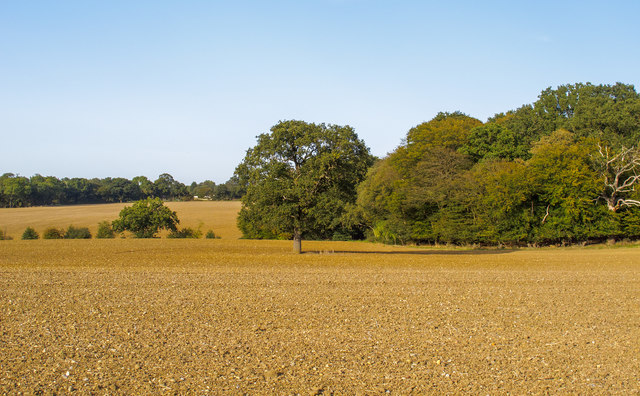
(219, 216)
(232, 316)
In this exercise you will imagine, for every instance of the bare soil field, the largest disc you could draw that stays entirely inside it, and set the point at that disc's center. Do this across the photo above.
(229, 316)
(238, 316)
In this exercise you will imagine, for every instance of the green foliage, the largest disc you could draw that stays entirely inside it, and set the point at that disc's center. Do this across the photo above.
(608, 112)
(409, 196)
(53, 233)
(211, 235)
(105, 231)
(205, 190)
(144, 185)
(14, 190)
(231, 189)
(566, 185)
(499, 199)
(299, 179)
(341, 236)
(75, 191)
(445, 130)
(592, 110)
(381, 193)
(629, 220)
(77, 233)
(166, 187)
(19, 191)
(448, 130)
(185, 233)
(494, 141)
(145, 218)
(529, 176)
(30, 233)
(118, 189)
(4, 236)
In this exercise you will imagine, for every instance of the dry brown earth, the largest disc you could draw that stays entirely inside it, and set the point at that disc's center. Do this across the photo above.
(233, 317)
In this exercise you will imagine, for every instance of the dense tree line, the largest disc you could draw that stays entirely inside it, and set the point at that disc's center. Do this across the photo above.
(20, 191)
(229, 190)
(561, 170)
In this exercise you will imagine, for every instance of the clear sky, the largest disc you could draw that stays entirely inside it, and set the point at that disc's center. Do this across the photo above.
(126, 88)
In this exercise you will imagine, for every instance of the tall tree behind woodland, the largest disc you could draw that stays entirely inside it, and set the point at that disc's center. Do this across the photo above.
(299, 180)
(563, 169)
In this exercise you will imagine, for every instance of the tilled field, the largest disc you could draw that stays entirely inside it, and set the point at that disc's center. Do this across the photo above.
(234, 317)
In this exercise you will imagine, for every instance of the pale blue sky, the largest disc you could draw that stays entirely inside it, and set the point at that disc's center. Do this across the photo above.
(127, 88)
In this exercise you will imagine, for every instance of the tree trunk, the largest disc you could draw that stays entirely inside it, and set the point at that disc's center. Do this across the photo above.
(297, 242)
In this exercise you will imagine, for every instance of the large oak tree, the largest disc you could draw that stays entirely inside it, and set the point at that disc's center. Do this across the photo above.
(298, 179)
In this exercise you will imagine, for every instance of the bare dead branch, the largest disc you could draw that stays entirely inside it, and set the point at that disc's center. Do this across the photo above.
(546, 215)
(628, 202)
(619, 173)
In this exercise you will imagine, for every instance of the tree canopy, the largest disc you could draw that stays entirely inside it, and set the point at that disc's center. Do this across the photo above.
(20, 191)
(562, 169)
(145, 218)
(299, 178)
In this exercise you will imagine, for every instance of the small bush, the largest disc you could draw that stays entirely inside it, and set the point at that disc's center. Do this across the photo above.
(185, 233)
(105, 231)
(53, 233)
(77, 233)
(4, 236)
(211, 235)
(30, 233)
(341, 236)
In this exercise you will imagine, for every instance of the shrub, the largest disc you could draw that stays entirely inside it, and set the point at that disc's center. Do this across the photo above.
(53, 233)
(30, 233)
(77, 233)
(105, 231)
(211, 235)
(4, 236)
(145, 218)
(341, 236)
(185, 233)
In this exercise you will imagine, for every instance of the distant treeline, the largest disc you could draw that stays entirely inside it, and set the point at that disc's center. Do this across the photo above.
(20, 191)
(564, 169)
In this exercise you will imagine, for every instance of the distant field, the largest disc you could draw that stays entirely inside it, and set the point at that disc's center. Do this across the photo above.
(219, 216)
(232, 316)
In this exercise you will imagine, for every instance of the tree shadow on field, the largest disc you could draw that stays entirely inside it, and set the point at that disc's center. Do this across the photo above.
(417, 252)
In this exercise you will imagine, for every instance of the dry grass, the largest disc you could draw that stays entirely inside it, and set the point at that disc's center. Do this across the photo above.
(235, 316)
(219, 216)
